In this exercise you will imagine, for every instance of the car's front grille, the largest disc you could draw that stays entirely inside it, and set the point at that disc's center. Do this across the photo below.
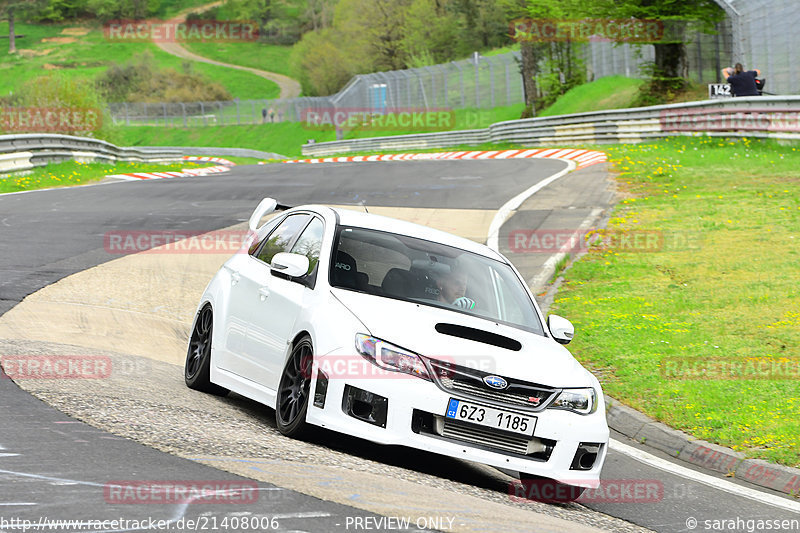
(483, 392)
(468, 383)
(485, 437)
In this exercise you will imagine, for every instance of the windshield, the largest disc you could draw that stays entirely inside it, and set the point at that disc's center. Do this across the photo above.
(406, 268)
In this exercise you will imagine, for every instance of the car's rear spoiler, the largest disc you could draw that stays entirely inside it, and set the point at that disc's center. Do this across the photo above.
(265, 207)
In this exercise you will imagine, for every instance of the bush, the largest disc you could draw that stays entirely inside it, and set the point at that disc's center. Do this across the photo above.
(320, 65)
(70, 106)
(658, 88)
(141, 80)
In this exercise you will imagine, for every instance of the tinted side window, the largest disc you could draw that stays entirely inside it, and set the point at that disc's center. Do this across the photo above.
(265, 230)
(280, 239)
(309, 243)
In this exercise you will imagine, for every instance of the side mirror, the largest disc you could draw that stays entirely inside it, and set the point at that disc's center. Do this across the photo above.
(560, 328)
(292, 265)
(266, 207)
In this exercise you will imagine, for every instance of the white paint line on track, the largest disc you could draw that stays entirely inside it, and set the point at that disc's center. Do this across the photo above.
(15, 504)
(705, 479)
(630, 451)
(180, 512)
(311, 514)
(505, 210)
(549, 266)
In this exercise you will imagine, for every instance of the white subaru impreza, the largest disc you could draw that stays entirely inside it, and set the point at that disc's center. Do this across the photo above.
(399, 334)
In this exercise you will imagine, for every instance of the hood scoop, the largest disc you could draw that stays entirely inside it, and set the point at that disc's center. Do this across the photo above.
(478, 335)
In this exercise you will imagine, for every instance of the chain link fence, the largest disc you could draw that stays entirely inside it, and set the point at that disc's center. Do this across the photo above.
(478, 82)
(757, 33)
(765, 37)
(200, 114)
(706, 55)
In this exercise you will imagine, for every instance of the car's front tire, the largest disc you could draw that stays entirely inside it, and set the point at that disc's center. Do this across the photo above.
(294, 390)
(197, 370)
(548, 490)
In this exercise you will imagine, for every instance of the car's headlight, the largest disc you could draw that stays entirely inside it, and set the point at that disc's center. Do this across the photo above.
(390, 357)
(583, 401)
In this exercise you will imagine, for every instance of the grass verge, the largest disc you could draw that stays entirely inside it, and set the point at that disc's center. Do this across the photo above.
(610, 92)
(285, 138)
(83, 52)
(698, 330)
(71, 173)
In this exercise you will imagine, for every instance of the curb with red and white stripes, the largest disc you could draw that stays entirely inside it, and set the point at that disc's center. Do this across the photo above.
(223, 166)
(582, 158)
(208, 159)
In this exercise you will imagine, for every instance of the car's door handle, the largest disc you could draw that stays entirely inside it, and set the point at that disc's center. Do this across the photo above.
(263, 292)
(235, 277)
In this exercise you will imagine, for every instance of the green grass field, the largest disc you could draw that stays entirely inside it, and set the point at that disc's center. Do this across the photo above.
(269, 57)
(285, 138)
(57, 47)
(722, 287)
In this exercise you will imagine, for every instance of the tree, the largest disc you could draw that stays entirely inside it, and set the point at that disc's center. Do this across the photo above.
(531, 48)
(123, 9)
(485, 23)
(670, 50)
(431, 32)
(278, 20)
(377, 26)
(318, 14)
(9, 9)
(320, 65)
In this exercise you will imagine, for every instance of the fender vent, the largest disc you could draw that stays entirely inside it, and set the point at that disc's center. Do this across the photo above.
(478, 335)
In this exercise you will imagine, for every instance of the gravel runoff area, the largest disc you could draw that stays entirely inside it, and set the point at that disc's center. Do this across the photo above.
(147, 401)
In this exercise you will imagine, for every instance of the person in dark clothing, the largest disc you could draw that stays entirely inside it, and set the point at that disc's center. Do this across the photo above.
(743, 83)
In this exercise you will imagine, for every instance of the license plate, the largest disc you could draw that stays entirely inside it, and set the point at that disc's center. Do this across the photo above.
(490, 417)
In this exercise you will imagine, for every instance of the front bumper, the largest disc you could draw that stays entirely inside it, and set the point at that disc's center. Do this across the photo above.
(398, 409)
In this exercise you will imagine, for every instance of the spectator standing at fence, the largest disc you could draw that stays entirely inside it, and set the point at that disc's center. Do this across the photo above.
(743, 83)
(263, 115)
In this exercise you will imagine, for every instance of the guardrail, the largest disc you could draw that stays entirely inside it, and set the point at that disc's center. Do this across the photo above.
(760, 116)
(24, 152)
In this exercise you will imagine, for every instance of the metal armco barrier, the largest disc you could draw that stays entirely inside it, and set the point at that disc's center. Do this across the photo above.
(24, 152)
(775, 117)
